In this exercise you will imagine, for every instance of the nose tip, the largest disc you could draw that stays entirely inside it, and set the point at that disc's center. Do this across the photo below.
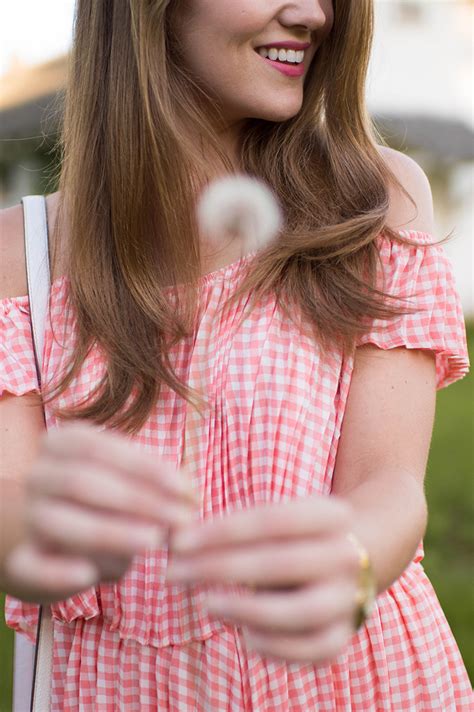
(307, 16)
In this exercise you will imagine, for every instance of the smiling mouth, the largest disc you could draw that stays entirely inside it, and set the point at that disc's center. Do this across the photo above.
(289, 69)
(288, 57)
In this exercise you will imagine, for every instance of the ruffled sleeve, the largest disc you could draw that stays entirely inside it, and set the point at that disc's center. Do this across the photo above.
(423, 274)
(17, 360)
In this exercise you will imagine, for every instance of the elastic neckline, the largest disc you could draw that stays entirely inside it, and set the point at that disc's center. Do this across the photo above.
(225, 271)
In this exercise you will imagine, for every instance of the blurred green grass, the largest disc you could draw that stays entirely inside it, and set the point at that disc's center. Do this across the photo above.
(449, 538)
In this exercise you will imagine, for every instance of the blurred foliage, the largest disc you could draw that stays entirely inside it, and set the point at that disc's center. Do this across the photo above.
(449, 538)
(6, 661)
(38, 157)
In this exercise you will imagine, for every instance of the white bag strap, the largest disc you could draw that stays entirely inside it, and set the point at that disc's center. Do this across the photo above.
(32, 679)
(37, 269)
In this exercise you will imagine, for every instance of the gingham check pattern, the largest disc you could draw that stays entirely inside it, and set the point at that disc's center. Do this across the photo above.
(271, 434)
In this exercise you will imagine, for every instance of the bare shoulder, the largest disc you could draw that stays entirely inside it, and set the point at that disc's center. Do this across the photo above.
(12, 248)
(12, 253)
(403, 215)
(24, 414)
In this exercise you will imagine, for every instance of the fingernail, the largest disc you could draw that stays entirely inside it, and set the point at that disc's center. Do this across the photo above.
(185, 540)
(149, 537)
(183, 517)
(194, 495)
(187, 485)
(85, 575)
(251, 639)
(177, 571)
(217, 604)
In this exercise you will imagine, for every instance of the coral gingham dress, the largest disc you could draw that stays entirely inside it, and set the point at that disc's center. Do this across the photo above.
(272, 434)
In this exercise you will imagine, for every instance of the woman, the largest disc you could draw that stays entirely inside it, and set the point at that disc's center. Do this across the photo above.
(301, 460)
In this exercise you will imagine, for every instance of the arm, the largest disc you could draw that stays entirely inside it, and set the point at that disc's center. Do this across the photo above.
(21, 425)
(79, 504)
(21, 417)
(388, 422)
(295, 555)
(383, 451)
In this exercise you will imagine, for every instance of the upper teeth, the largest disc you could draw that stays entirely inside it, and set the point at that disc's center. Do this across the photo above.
(283, 55)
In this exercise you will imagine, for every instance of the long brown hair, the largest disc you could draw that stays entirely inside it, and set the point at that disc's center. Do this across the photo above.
(128, 183)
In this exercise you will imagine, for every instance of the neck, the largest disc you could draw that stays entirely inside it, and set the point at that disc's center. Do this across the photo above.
(230, 140)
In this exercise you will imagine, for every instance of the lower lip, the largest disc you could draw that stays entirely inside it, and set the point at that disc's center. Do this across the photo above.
(296, 70)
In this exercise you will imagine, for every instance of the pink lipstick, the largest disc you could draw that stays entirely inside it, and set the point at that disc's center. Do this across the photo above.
(295, 70)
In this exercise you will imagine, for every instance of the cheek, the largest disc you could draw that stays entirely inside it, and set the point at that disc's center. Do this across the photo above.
(226, 68)
(225, 24)
(217, 39)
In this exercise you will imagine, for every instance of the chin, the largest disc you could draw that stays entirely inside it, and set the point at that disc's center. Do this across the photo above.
(278, 112)
(278, 115)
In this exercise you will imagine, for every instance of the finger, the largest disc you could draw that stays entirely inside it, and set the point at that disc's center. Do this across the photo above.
(317, 648)
(75, 530)
(41, 577)
(313, 516)
(303, 610)
(267, 565)
(96, 486)
(84, 441)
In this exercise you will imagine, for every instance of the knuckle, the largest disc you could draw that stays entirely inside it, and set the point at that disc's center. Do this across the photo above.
(343, 557)
(79, 436)
(38, 516)
(116, 493)
(74, 530)
(350, 558)
(91, 441)
(136, 501)
(144, 507)
(118, 500)
(76, 483)
(315, 610)
(342, 510)
(60, 526)
(207, 569)
(109, 539)
(116, 537)
(320, 609)
(34, 479)
(325, 605)
(346, 597)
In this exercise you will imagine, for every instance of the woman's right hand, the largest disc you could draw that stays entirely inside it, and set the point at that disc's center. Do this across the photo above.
(93, 500)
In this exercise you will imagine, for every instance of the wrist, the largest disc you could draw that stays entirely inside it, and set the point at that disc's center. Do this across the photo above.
(380, 506)
(366, 585)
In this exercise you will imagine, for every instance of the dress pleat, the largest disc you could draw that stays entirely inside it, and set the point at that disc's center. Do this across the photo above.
(276, 406)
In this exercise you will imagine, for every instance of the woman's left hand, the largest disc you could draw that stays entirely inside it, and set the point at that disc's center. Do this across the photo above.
(301, 562)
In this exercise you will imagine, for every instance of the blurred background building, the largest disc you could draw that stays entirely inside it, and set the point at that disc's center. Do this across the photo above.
(419, 95)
